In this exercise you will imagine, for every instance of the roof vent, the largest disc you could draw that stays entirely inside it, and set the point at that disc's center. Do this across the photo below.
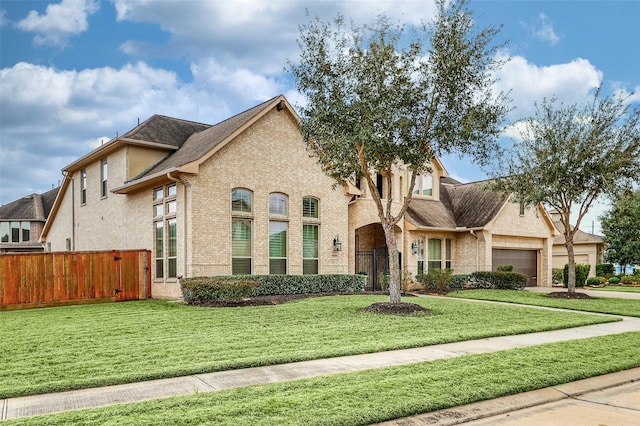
(280, 105)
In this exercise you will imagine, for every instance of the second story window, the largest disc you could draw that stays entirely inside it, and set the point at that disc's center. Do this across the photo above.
(83, 186)
(423, 186)
(15, 232)
(104, 175)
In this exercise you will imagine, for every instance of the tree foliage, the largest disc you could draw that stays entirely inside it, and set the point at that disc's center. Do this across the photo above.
(568, 156)
(621, 228)
(381, 95)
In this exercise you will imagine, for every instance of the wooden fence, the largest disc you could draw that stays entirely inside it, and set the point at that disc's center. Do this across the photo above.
(52, 279)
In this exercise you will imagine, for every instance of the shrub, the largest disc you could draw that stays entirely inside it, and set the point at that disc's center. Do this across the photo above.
(627, 279)
(557, 276)
(504, 268)
(436, 279)
(614, 280)
(605, 270)
(458, 281)
(582, 272)
(500, 280)
(203, 290)
(593, 281)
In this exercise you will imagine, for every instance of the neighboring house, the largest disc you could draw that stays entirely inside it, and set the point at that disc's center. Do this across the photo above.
(22, 221)
(588, 249)
(245, 197)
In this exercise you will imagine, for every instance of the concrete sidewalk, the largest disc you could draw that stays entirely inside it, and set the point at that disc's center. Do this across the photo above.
(13, 408)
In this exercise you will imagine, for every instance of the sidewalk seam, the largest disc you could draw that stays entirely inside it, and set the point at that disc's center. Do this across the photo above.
(205, 383)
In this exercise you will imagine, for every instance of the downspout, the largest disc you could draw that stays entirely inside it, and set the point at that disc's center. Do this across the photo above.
(473, 232)
(73, 210)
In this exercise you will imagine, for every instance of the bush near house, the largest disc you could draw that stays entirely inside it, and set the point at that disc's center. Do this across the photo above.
(489, 280)
(614, 280)
(605, 270)
(203, 289)
(593, 281)
(627, 279)
(435, 279)
(582, 272)
(504, 268)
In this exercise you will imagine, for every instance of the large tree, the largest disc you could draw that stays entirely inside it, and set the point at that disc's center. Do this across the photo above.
(380, 96)
(621, 228)
(569, 155)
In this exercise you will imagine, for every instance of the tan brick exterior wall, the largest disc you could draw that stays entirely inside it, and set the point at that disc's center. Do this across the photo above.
(586, 254)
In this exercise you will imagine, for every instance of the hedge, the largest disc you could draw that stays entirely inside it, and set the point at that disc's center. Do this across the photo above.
(582, 272)
(605, 270)
(229, 287)
(489, 280)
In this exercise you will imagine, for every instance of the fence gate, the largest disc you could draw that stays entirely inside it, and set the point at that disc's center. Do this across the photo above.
(375, 264)
(33, 280)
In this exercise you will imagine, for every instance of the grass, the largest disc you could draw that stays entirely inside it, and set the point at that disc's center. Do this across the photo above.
(629, 289)
(55, 349)
(377, 395)
(626, 307)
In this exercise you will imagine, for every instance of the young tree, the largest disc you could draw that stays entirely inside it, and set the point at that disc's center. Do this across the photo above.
(570, 155)
(621, 228)
(378, 97)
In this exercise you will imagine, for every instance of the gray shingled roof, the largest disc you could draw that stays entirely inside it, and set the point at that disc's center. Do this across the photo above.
(578, 238)
(165, 130)
(469, 205)
(204, 140)
(34, 207)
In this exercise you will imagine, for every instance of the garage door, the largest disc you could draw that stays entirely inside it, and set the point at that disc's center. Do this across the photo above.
(523, 261)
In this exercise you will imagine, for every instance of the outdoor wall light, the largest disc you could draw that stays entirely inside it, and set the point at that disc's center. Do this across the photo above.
(337, 244)
(414, 247)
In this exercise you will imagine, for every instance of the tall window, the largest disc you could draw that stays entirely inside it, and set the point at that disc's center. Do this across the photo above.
(166, 231)
(83, 186)
(277, 247)
(447, 253)
(104, 175)
(420, 255)
(435, 254)
(241, 231)
(423, 185)
(310, 234)
(241, 246)
(15, 232)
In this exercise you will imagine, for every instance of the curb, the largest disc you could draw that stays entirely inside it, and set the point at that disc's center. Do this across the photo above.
(495, 407)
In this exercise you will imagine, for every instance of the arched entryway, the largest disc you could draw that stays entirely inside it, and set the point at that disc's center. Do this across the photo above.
(372, 256)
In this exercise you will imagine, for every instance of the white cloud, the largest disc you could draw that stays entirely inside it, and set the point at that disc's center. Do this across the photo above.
(59, 22)
(571, 82)
(545, 31)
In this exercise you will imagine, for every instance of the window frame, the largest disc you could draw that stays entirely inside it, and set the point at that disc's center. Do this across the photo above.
(434, 262)
(165, 225)
(104, 178)
(274, 259)
(241, 206)
(83, 187)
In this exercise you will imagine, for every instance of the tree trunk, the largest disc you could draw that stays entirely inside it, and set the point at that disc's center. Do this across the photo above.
(395, 286)
(571, 279)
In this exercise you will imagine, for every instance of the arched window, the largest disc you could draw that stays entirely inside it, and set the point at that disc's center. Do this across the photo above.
(278, 204)
(241, 200)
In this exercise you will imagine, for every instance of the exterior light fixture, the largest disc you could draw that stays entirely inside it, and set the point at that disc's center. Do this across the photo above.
(414, 247)
(337, 244)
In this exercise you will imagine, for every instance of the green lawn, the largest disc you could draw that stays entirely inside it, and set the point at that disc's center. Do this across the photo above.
(627, 307)
(376, 395)
(622, 288)
(54, 349)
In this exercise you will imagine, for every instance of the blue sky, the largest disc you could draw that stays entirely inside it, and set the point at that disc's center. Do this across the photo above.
(78, 72)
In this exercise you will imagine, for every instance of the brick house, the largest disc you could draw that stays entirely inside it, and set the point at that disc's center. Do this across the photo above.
(245, 196)
(22, 221)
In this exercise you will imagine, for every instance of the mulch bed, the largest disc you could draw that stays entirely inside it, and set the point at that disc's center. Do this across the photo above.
(402, 308)
(567, 295)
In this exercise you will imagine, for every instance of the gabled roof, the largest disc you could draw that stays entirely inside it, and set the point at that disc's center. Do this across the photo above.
(165, 130)
(199, 143)
(579, 237)
(34, 207)
(467, 206)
